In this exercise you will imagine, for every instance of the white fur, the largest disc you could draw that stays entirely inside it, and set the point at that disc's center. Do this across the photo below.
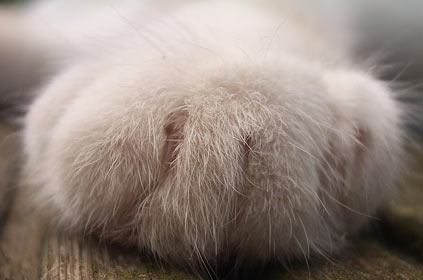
(210, 130)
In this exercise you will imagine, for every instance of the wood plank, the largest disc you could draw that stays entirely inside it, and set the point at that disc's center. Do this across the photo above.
(20, 243)
(77, 258)
(20, 230)
(369, 260)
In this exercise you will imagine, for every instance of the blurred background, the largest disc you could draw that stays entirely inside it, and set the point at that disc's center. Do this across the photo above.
(395, 29)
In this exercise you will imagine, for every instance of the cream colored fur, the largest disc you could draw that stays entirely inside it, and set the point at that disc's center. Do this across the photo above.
(209, 131)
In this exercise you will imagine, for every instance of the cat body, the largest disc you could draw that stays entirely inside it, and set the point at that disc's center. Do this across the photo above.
(207, 130)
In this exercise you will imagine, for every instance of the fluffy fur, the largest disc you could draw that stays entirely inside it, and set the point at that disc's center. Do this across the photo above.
(208, 131)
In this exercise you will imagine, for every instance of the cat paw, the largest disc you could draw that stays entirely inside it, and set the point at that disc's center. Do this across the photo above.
(261, 162)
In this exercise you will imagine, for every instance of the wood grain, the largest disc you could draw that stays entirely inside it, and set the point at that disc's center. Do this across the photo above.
(75, 258)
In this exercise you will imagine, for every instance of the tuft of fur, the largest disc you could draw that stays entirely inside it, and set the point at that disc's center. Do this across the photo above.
(252, 135)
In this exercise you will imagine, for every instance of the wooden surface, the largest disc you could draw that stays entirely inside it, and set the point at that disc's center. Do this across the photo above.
(28, 250)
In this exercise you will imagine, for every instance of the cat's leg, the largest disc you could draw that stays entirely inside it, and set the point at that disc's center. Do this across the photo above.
(266, 161)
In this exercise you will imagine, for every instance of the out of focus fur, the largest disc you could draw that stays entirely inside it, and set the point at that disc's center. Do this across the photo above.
(203, 131)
